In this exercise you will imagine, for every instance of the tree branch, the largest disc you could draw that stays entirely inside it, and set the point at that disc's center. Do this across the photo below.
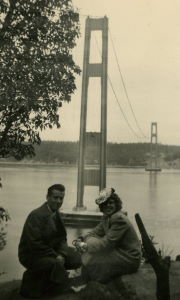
(7, 20)
(11, 119)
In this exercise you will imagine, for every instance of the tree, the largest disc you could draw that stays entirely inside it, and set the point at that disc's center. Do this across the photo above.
(37, 69)
(4, 217)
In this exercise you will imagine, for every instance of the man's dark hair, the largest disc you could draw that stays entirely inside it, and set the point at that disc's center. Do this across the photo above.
(59, 187)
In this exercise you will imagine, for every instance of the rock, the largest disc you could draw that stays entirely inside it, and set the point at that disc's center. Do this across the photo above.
(143, 282)
(99, 291)
(137, 286)
(10, 291)
(175, 280)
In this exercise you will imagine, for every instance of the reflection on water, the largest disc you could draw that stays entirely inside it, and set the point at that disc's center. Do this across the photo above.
(155, 196)
(152, 181)
(153, 176)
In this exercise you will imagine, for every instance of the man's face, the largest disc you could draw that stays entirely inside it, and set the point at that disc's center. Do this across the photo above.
(55, 199)
(109, 207)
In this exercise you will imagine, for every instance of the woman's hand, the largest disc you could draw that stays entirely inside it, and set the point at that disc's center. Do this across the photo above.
(80, 246)
(83, 246)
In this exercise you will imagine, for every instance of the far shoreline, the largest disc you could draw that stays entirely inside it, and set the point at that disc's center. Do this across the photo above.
(59, 164)
(67, 165)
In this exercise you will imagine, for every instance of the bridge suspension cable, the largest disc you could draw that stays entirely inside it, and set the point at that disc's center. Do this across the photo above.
(124, 86)
(129, 125)
(116, 97)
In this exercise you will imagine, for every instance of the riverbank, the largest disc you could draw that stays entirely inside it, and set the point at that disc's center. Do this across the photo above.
(137, 286)
(35, 163)
(27, 163)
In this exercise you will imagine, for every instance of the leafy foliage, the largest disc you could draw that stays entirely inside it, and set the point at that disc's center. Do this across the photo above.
(37, 69)
(127, 155)
(4, 217)
(67, 152)
(64, 152)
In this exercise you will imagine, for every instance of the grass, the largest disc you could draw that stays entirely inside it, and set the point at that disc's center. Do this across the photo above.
(7, 289)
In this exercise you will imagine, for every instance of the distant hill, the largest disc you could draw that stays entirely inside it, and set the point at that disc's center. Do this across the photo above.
(121, 154)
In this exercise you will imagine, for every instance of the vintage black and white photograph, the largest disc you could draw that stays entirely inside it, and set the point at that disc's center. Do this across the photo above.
(89, 149)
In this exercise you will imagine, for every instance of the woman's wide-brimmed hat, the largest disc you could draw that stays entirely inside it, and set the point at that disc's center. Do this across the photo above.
(104, 195)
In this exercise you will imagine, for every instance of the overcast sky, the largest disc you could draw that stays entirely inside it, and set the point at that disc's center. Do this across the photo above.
(146, 37)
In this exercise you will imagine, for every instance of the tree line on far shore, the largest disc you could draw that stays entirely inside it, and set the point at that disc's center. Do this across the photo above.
(122, 154)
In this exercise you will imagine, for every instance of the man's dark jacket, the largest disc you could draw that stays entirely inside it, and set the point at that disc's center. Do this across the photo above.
(43, 235)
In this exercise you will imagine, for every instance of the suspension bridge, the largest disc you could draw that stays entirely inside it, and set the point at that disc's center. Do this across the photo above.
(96, 141)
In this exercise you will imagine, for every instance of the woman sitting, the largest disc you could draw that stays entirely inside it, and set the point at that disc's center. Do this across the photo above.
(112, 248)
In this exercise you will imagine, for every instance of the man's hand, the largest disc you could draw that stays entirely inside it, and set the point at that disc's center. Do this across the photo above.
(61, 259)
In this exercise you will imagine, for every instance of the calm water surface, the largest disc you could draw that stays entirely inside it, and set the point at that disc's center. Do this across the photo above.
(154, 196)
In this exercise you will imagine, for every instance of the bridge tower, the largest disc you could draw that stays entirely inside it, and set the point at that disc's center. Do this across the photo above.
(93, 142)
(153, 166)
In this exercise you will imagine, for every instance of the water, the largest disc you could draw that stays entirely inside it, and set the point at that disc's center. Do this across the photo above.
(154, 196)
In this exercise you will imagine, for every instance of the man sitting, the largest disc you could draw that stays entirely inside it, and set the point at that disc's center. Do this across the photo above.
(43, 248)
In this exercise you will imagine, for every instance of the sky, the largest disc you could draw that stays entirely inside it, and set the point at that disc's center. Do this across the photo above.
(145, 37)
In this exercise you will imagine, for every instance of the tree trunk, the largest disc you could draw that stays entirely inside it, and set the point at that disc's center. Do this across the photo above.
(161, 266)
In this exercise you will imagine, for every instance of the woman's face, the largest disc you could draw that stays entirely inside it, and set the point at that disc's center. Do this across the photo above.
(109, 207)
